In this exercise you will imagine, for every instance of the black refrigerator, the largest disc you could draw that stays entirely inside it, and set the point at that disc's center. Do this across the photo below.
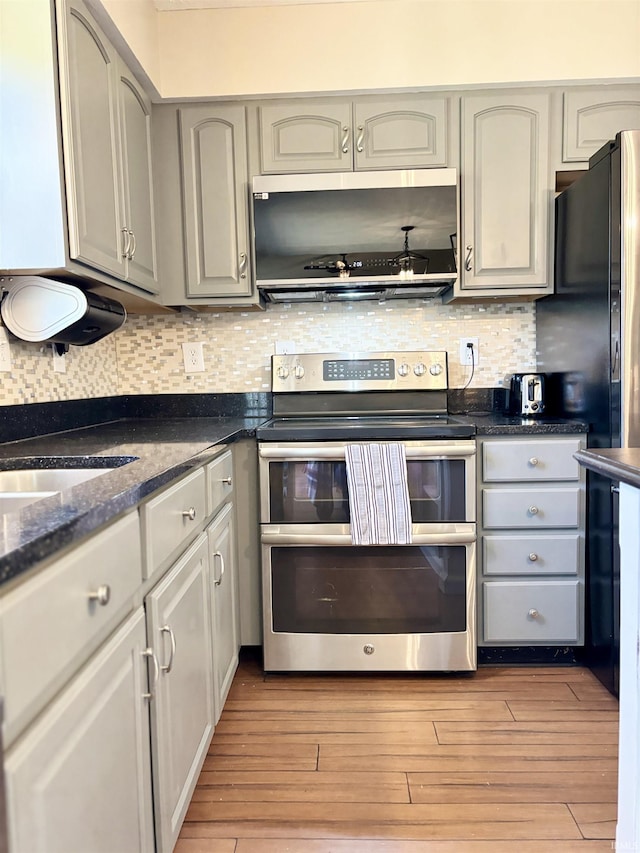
(588, 342)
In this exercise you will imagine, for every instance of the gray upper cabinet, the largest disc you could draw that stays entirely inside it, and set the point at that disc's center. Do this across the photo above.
(106, 122)
(592, 116)
(506, 195)
(215, 201)
(400, 131)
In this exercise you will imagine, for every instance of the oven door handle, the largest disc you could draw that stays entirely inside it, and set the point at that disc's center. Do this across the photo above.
(453, 538)
(309, 454)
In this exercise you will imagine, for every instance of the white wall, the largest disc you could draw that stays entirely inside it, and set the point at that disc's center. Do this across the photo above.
(380, 44)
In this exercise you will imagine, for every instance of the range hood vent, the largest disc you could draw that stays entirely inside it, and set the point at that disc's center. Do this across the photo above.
(356, 236)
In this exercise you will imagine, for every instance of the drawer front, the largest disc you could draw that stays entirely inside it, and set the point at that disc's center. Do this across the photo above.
(172, 519)
(551, 459)
(51, 625)
(219, 481)
(546, 612)
(531, 555)
(531, 508)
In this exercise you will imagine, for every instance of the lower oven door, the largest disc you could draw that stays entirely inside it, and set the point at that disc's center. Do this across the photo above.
(330, 605)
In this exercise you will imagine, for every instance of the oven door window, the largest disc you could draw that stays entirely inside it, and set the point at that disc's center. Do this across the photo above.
(368, 590)
(316, 492)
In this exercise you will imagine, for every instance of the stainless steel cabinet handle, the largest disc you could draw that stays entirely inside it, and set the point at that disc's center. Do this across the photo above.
(242, 265)
(102, 595)
(226, 481)
(133, 246)
(126, 242)
(360, 139)
(149, 653)
(467, 260)
(166, 629)
(345, 140)
(533, 613)
(189, 513)
(533, 461)
(533, 557)
(533, 510)
(218, 554)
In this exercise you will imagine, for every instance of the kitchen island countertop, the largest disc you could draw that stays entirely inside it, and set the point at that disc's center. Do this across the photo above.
(618, 463)
(164, 449)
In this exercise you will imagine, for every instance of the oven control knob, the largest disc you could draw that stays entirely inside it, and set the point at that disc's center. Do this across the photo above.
(403, 369)
(283, 371)
(420, 369)
(298, 371)
(435, 369)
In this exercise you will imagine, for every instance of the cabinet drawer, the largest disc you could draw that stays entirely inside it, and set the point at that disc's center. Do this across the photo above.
(551, 459)
(50, 625)
(531, 507)
(172, 519)
(531, 612)
(531, 555)
(219, 481)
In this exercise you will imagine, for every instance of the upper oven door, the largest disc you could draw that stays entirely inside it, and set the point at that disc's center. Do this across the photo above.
(307, 483)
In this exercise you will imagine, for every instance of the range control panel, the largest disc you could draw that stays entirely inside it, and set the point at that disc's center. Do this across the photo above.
(373, 371)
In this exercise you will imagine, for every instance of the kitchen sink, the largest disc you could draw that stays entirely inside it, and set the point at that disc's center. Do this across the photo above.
(25, 480)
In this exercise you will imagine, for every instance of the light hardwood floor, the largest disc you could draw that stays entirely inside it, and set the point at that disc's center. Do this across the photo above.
(505, 760)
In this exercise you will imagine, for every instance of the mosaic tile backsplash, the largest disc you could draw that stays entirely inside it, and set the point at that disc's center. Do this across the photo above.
(145, 355)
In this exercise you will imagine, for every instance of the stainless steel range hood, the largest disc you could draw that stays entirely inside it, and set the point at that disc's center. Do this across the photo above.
(355, 235)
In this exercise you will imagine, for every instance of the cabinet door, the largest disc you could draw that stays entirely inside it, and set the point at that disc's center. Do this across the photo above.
(97, 233)
(135, 115)
(215, 200)
(507, 192)
(179, 631)
(80, 778)
(593, 116)
(306, 136)
(224, 604)
(401, 133)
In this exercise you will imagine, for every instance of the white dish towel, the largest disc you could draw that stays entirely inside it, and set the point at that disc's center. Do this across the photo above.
(378, 494)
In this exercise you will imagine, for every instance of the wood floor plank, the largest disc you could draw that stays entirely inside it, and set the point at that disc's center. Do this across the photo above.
(542, 821)
(598, 711)
(422, 735)
(206, 845)
(265, 756)
(557, 731)
(268, 786)
(516, 787)
(596, 820)
(368, 845)
(457, 709)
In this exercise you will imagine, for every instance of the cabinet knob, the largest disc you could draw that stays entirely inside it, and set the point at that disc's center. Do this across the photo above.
(189, 513)
(102, 595)
(533, 510)
(533, 461)
(226, 481)
(533, 613)
(533, 557)
(368, 649)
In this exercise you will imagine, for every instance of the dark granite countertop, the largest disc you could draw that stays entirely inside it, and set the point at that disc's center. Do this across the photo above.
(492, 423)
(164, 449)
(621, 464)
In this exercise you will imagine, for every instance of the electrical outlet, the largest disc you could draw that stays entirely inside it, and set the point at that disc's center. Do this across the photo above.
(285, 347)
(5, 351)
(466, 354)
(193, 357)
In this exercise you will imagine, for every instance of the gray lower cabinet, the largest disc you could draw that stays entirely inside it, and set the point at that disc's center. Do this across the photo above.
(507, 195)
(312, 135)
(531, 536)
(182, 706)
(80, 778)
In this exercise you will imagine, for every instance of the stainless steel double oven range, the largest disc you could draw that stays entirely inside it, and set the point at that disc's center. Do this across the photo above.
(328, 604)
